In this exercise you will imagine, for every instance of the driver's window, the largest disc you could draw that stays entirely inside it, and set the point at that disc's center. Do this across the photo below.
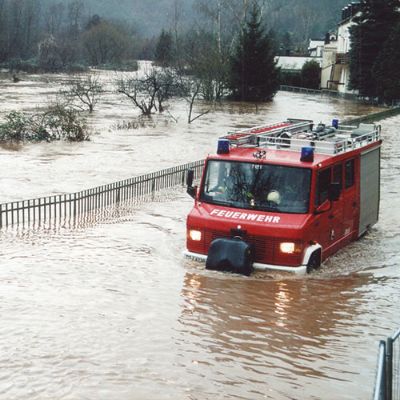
(338, 175)
(323, 182)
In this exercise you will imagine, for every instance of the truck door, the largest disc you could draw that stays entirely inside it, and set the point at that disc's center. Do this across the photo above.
(350, 199)
(329, 223)
(322, 222)
(337, 211)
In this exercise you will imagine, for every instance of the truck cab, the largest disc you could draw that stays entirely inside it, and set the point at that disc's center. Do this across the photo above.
(284, 196)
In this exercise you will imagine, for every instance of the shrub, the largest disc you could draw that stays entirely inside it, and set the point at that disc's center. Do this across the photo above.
(15, 127)
(55, 123)
(290, 78)
(65, 123)
(311, 75)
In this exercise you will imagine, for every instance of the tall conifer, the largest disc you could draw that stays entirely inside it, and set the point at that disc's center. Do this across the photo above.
(368, 35)
(253, 73)
(386, 70)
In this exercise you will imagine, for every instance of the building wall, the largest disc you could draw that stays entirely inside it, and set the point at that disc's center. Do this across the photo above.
(328, 63)
(344, 43)
(315, 48)
(294, 63)
(335, 65)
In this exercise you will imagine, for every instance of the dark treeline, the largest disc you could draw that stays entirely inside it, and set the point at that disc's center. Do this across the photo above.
(300, 19)
(54, 34)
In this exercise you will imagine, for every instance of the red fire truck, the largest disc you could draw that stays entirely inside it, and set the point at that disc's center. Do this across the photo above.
(284, 196)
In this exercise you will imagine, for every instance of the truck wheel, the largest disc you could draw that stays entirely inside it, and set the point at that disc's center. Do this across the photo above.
(314, 262)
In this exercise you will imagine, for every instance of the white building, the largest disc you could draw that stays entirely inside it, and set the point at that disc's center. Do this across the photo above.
(294, 63)
(335, 73)
(315, 47)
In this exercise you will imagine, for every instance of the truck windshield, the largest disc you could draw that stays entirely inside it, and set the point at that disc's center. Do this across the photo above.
(257, 186)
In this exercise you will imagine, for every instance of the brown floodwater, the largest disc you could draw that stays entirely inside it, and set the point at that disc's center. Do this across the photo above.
(111, 310)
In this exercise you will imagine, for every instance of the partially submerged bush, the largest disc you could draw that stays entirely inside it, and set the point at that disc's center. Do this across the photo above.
(138, 123)
(55, 123)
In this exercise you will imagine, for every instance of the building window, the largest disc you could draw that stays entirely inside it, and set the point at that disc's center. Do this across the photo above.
(349, 173)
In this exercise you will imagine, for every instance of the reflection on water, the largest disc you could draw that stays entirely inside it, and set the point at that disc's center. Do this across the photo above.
(284, 335)
(108, 309)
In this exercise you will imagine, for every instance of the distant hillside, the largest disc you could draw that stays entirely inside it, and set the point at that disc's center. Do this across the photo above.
(302, 18)
(62, 33)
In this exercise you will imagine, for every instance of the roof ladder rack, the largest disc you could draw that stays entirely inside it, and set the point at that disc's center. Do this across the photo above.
(251, 136)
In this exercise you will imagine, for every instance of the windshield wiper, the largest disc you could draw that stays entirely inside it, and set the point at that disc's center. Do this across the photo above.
(221, 203)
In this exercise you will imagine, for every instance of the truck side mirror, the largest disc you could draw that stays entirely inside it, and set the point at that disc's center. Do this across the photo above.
(334, 191)
(189, 178)
(191, 190)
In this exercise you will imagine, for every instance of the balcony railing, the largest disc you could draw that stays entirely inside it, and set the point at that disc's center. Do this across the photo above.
(342, 58)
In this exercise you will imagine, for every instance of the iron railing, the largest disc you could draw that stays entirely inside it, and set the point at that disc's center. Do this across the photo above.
(387, 382)
(74, 205)
(342, 58)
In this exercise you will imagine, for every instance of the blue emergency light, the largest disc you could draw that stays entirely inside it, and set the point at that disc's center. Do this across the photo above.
(223, 146)
(335, 123)
(307, 154)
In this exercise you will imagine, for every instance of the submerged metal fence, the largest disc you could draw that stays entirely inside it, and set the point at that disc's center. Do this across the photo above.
(387, 382)
(74, 205)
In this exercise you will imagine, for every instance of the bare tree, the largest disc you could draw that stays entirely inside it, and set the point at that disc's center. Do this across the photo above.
(149, 92)
(75, 11)
(193, 92)
(213, 11)
(306, 17)
(190, 90)
(54, 17)
(84, 92)
(202, 57)
(240, 8)
(177, 15)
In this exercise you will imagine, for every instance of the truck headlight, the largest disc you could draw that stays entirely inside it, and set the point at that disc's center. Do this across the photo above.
(195, 235)
(287, 247)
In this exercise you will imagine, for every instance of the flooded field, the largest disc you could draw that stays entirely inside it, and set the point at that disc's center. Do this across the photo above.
(111, 310)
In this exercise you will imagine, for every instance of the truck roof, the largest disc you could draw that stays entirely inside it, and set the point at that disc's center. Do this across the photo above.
(289, 142)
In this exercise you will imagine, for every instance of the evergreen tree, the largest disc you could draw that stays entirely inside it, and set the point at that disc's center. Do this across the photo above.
(370, 32)
(163, 53)
(253, 72)
(386, 69)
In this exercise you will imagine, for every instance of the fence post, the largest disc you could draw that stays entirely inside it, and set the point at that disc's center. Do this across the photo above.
(389, 368)
(380, 381)
(118, 194)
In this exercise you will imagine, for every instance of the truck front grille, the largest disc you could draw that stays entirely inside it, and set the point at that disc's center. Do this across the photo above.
(266, 248)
